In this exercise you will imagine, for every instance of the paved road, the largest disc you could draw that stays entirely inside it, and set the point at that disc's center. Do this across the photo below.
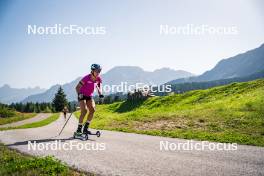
(133, 154)
(38, 117)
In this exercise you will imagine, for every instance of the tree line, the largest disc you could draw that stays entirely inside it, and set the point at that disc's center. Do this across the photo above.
(5, 111)
(58, 103)
(32, 107)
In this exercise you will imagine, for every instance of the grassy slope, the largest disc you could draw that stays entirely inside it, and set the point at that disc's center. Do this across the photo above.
(15, 163)
(17, 117)
(231, 113)
(41, 123)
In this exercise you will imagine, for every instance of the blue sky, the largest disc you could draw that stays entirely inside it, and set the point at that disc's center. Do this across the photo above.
(132, 36)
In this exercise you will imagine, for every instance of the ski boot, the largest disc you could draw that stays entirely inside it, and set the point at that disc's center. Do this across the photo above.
(79, 135)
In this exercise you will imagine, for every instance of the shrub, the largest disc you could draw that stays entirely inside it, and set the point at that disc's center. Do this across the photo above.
(6, 112)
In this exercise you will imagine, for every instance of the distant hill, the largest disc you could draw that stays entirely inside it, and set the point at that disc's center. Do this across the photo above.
(129, 74)
(9, 95)
(133, 75)
(188, 86)
(48, 95)
(240, 65)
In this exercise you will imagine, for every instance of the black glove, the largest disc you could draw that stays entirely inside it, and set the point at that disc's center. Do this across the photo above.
(101, 96)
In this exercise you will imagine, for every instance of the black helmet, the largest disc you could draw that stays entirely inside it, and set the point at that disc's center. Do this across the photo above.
(96, 67)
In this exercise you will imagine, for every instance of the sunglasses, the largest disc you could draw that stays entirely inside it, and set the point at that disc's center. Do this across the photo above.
(97, 71)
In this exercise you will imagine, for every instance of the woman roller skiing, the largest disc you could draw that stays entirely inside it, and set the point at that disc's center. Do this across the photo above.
(85, 89)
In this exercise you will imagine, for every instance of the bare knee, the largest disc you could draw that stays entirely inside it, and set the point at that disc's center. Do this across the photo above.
(84, 111)
(91, 110)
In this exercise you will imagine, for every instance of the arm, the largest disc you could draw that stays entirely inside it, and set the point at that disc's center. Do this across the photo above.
(99, 88)
(78, 87)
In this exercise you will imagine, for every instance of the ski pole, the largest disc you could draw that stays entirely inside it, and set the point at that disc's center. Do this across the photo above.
(65, 124)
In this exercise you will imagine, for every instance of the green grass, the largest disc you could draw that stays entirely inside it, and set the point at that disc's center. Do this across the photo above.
(41, 123)
(17, 117)
(15, 163)
(231, 113)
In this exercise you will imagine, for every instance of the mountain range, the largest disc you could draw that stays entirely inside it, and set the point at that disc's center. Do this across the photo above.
(240, 65)
(129, 74)
(133, 75)
(9, 95)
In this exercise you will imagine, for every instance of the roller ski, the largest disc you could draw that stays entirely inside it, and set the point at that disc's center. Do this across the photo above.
(84, 135)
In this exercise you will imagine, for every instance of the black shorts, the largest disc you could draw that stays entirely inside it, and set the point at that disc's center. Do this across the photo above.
(85, 98)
